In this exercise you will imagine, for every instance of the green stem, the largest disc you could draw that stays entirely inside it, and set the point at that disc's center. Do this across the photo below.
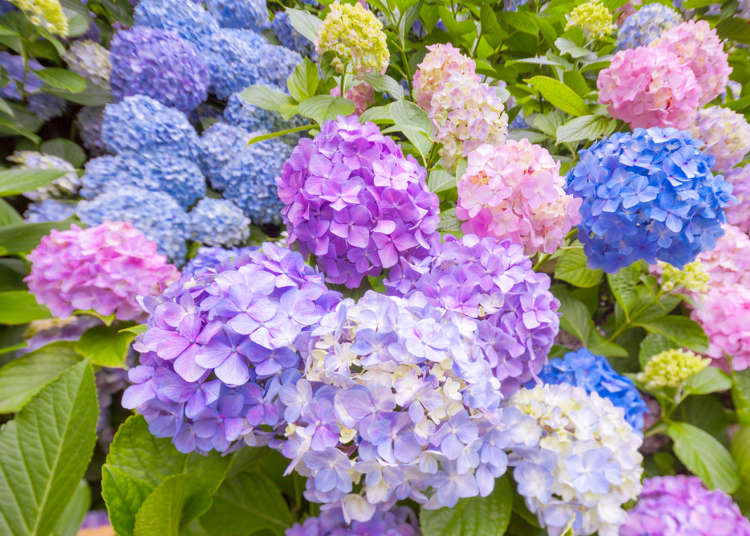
(542, 259)
(629, 322)
(343, 81)
(659, 427)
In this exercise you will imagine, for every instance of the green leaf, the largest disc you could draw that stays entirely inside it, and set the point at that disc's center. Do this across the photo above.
(519, 20)
(383, 82)
(44, 452)
(62, 79)
(709, 380)
(566, 46)
(559, 95)
(449, 223)
(704, 456)
(65, 149)
(571, 267)
(623, 286)
(407, 114)
(740, 449)
(679, 329)
(266, 98)
(377, 114)
(137, 329)
(577, 321)
(5, 108)
(305, 23)
(440, 180)
(247, 503)
(93, 95)
(587, 127)
(20, 307)
(324, 107)
(24, 377)
(303, 82)
(123, 496)
(653, 344)
(477, 516)
(105, 346)
(18, 181)
(23, 237)
(8, 215)
(72, 517)
(8, 126)
(279, 133)
(175, 501)
(741, 395)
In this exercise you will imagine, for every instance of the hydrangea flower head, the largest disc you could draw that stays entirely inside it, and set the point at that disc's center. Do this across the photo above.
(90, 60)
(738, 213)
(89, 122)
(649, 86)
(441, 62)
(596, 375)
(586, 464)
(649, 194)
(514, 191)
(593, 18)
(698, 46)
(398, 521)
(493, 282)
(646, 25)
(728, 263)
(186, 18)
(47, 14)
(677, 505)
(396, 391)
(220, 144)
(693, 277)
(724, 314)
(726, 135)
(355, 36)
(101, 268)
(67, 184)
(212, 258)
(217, 344)
(248, 14)
(218, 222)
(13, 66)
(671, 368)
(139, 68)
(49, 210)
(353, 200)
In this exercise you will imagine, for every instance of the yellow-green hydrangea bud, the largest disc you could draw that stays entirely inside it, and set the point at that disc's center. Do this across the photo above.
(356, 37)
(593, 18)
(692, 278)
(671, 367)
(47, 14)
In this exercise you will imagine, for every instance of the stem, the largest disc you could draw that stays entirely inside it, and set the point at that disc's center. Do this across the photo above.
(25, 72)
(343, 81)
(659, 427)
(542, 259)
(628, 322)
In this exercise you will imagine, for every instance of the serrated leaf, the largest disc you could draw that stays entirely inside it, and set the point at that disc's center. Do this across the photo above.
(305, 23)
(25, 376)
(44, 453)
(587, 127)
(20, 307)
(571, 267)
(652, 344)
(105, 346)
(559, 95)
(440, 180)
(324, 107)
(18, 181)
(266, 98)
(680, 329)
(175, 501)
(383, 82)
(303, 82)
(64, 79)
(123, 496)
(704, 456)
(708, 380)
(477, 516)
(72, 517)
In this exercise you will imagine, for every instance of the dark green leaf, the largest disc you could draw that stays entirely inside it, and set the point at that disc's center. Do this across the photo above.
(623, 286)
(741, 395)
(571, 267)
(709, 380)
(24, 237)
(324, 107)
(20, 180)
(559, 95)
(8, 215)
(740, 450)
(105, 346)
(519, 20)
(176, 500)
(20, 307)
(93, 95)
(65, 149)
(12, 127)
(64, 79)
(680, 329)
(5, 108)
(653, 344)
(577, 321)
(305, 23)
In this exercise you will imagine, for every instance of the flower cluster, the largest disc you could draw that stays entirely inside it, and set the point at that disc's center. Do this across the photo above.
(728, 263)
(353, 200)
(724, 314)
(515, 191)
(355, 36)
(595, 375)
(649, 86)
(139, 68)
(67, 184)
(493, 282)
(726, 135)
(211, 259)
(646, 25)
(677, 505)
(692, 278)
(89, 122)
(12, 64)
(698, 47)
(101, 268)
(48, 210)
(217, 345)
(47, 14)
(738, 213)
(218, 222)
(90, 60)
(397, 392)
(586, 464)
(439, 64)
(247, 14)
(398, 521)
(188, 19)
(593, 18)
(219, 144)
(671, 368)
(649, 194)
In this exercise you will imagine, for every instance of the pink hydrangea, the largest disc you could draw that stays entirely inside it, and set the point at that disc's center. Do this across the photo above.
(698, 46)
(649, 87)
(726, 135)
(724, 314)
(102, 268)
(738, 213)
(515, 191)
(441, 62)
(728, 264)
(361, 95)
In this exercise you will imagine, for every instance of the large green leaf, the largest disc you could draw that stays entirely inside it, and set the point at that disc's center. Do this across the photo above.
(18, 181)
(65, 149)
(440, 180)
(740, 450)
(63, 79)
(704, 456)
(305, 23)
(44, 453)
(709, 380)
(72, 517)
(571, 267)
(623, 286)
(477, 516)
(576, 320)
(679, 329)
(587, 127)
(383, 82)
(741, 395)
(8, 215)
(177, 500)
(559, 95)
(106, 346)
(24, 377)
(303, 82)
(20, 307)
(324, 107)
(266, 98)
(24, 237)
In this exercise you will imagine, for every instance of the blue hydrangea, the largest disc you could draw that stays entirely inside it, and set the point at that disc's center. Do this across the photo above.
(89, 124)
(139, 68)
(513, 5)
(155, 214)
(49, 210)
(140, 123)
(46, 106)
(291, 38)
(187, 18)
(218, 222)
(219, 145)
(13, 65)
(519, 121)
(646, 25)
(250, 180)
(650, 195)
(5, 7)
(180, 178)
(252, 118)
(595, 374)
(248, 14)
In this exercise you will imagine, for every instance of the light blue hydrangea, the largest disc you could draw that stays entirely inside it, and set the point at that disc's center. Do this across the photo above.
(291, 38)
(646, 25)
(218, 222)
(248, 14)
(49, 210)
(186, 17)
(219, 145)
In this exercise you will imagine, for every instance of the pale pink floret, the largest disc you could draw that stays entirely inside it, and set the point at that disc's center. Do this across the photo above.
(102, 268)
(362, 95)
(515, 191)
(441, 62)
(738, 213)
(698, 46)
(649, 87)
(728, 264)
(724, 314)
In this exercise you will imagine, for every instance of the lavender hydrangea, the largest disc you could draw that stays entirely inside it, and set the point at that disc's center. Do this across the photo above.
(218, 222)
(140, 123)
(353, 200)
(211, 258)
(248, 14)
(493, 282)
(397, 396)
(650, 195)
(46, 106)
(218, 344)
(398, 521)
(89, 122)
(49, 210)
(646, 25)
(13, 65)
(186, 18)
(596, 375)
(220, 144)
(90, 60)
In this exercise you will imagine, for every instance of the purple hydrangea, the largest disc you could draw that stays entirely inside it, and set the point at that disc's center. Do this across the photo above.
(218, 343)
(353, 200)
(248, 14)
(493, 282)
(398, 521)
(185, 17)
(220, 144)
(159, 64)
(211, 258)
(218, 222)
